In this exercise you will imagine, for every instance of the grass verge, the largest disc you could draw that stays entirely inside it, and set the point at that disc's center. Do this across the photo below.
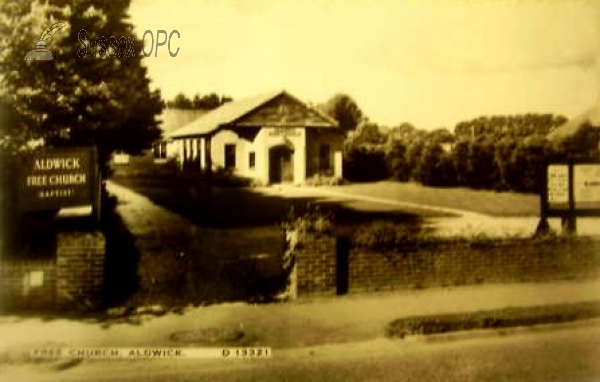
(493, 319)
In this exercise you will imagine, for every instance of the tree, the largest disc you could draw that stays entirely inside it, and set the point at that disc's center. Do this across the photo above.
(460, 161)
(482, 170)
(583, 144)
(434, 168)
(396, 161)
(525, 164)
(407, 133)
(344, 110)
(499, 126)
(441, 135)
(502, 157)
(198, 102)
(413, 157)
(364, 163)
(88, 94)
(369, 133)
(181, 101)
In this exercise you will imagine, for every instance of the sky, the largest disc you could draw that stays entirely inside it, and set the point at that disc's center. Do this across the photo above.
(430, 63)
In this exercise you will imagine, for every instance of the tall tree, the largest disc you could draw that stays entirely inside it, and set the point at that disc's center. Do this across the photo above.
(94, 91)
(441, 135)
(198, 102)
(522, 125)
(344, 110)
(368, 133)
(395, 158)
(181, 101)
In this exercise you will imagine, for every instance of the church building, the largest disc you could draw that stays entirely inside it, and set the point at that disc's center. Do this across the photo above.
(272, 138)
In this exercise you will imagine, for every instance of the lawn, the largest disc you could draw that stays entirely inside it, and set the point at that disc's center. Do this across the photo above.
(485, 202)
(235, 207)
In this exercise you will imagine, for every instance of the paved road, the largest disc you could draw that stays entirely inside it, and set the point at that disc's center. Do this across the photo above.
(310, 322)
(563, 354)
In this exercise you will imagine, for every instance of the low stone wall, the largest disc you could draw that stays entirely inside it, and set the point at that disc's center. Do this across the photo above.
(446, 264)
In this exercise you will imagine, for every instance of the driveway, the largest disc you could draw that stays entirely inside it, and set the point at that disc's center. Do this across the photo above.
(444, 221)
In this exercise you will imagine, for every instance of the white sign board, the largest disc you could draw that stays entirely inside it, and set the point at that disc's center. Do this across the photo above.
(283, 131)
(586, 183)
(558, 184)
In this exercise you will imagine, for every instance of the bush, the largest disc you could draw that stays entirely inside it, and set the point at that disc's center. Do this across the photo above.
(364, 163)
(388, 237)
(322, 180)
(435, 167)
(313, 220)
(395, 157)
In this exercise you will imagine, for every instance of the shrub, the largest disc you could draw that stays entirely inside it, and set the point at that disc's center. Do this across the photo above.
(391, 238)
(387, 236)
(395, 157)
(435, 167)
(364, 163)
(322, 180)
(313, 220)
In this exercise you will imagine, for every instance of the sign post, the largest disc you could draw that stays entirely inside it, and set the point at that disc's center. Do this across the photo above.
(569, 190)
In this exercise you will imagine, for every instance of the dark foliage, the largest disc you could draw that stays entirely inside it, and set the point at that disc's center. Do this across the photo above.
(364, 163)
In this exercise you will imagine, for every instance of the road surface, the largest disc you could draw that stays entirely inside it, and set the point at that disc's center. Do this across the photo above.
(557, 354)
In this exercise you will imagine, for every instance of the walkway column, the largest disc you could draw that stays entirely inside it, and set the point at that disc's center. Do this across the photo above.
(194, 151)
(181, 153)
(262, 163)
(208, 158)
(300, 159)
(338, 164)
(185, 153)
(202, 154)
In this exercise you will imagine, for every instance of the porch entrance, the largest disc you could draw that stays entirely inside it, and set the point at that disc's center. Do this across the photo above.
(281, 165)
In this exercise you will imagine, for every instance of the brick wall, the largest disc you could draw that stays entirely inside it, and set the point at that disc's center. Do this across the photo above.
(315, 266)
(80, 269)
(446, 265)
(27, 284)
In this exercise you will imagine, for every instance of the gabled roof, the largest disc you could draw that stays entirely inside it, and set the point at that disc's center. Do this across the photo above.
(173, 119)
(233, 113)
(570, 127)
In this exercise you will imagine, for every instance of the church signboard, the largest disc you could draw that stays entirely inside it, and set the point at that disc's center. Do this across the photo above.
(59, 178)
(569, 190)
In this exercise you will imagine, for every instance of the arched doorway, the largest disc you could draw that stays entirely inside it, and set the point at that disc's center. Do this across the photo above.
(281, 164)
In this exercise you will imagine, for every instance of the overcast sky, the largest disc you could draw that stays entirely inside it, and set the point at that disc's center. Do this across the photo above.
(431, 63)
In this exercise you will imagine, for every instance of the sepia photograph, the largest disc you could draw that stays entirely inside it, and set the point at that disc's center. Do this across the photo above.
(300, 190)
